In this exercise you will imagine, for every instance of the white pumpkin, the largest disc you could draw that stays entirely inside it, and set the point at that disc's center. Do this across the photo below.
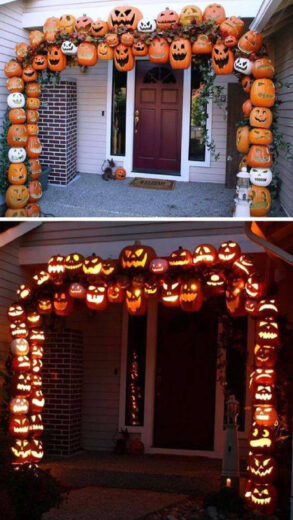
(147, 25)
(69, 48)
(243, 65)
(16, 100)
(261, 176)
(17, 155)
(20, 347)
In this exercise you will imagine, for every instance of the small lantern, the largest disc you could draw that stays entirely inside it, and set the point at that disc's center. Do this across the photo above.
(243, 184)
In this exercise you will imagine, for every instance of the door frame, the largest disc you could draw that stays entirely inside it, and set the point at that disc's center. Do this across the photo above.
(127, 160)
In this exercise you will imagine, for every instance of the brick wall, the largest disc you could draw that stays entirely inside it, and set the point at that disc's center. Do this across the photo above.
(58, 131)
(62, 385)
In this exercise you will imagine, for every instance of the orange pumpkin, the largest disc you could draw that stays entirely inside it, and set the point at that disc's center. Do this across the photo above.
(246, 108)
(34, 147)
(99, 28)
(56, 59)
(67, 23)
(84, 24)
(140, 48)
(33, 103)
(190, 14)
(246, 83)
(127, 39)
(17, 173)
(260, 136)
(112, 40)
(120, 174)
(259, 156)
(214, 13)
(250, 42)
(124, 16)
(261, 117)
(180, 54)
(33, 90)
(16, 213)
(87, 55)
(32, 116)
(33, 210)
(167, 19)
(17, 116)
(21, 50)
(51, 28)
(40, 62)
(105, 52)
(202, 45)
(123, 58)
(230, 41)
(36, 38)
(17, 136)
(222, 59)
(32, 129)
(242, 139)
(17, 196)
(263, 93)
(13, 68)
(35, 168)
(263, 68)
(261, 201)
(159, 50)
(232, 26)
(15, 84)
(29, 74)
(35, 190)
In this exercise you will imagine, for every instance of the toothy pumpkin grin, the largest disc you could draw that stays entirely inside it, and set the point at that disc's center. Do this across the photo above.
(95, 298)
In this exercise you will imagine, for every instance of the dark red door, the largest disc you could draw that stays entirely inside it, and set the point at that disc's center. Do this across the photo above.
(186, 379)
(158, 119)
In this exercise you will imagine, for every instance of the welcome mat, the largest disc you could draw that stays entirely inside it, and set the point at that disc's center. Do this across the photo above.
(152, 184)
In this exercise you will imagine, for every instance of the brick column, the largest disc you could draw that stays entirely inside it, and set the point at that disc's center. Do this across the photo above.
(58, 131)
(62, 385)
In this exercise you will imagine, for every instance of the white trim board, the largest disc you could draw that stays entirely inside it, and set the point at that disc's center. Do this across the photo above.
(17, 231)
(265, 12)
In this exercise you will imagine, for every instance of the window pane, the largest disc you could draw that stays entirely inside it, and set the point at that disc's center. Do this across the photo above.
(196, 144)
(118, 119)
(137, 330)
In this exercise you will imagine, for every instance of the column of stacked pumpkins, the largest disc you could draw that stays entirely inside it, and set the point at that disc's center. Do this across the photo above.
(254, 138)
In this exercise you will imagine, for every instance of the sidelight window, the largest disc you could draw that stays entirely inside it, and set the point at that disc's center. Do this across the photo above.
(197, 149)
(118, 116)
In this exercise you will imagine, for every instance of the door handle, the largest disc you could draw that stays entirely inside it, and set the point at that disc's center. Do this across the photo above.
(136, 121)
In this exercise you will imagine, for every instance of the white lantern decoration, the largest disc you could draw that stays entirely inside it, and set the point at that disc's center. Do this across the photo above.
(16, 100)
(243, 65)
(17, 155)
(261, 176)
(20, 347)
(147, 25)
(69, 48)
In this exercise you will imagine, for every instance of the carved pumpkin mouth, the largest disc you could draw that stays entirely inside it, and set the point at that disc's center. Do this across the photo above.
(260, 443)
(124, 22)
(188, 297)
(54, 62)
(134, 303)
(180, 57)
(29, 74)
(95, 298)
(122, 61)
(259, 473)
(267, 335)
(97, 30)
(59, 306)
(260, 501)
(159, 56)
(222, 62)
(171, 298)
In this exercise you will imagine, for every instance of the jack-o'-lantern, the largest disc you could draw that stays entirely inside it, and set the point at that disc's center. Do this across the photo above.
(260, 136)
(45, 306)
(36, 38)
(105, 52)
(262, 439)
(24, 292)
(21, 385)
(109, 267)
(62, 303)
(190, 14)
(242, 139)
(14, 85)
(244, 265)
(87, 55)
(138, 280)
(159, 50)
(202, 45)
(17, 116)
(77, 290)
(259, 156)
(21, 364)
(262, 468)
(40, 62)
(268, 307)
(261, 176)
(33, 103)
(267, 331)
(34, 147)
(159, 265)
(180, 54)
(266, 415)
(17, 136)
(120, 174)
(35, 191)
(17, 196)
(255, 286)
(222, 59)
(19, 406)
(232, 26)
(37, 401)
(16, 213)
(261, 117)
(92, 266)
(135, 302)
(99, 28)
(180, 258)
(33, 319)
(36, 335)
(115, 293)
(140, 48)
(204, 254)
(263, 394)
(123, 58)
(21, 51)
(263, 68)
(12, 69)
(41, 278)
(56, 268)
(123, 281)
(51, 29)
(19, 427)
(170, 292)
(96, 296)
(215, 282)
(112, 39)
(191, 294)
(167, 19)
(21, 451)
(73, 263)
(263, 498)
(20, 347)
(151, 287)
(230, 41)
(29, 74)
(37, 366)
(214, 13)
(124, 16)
(147, 25)
(33, 129)
(261, 201)
(136, 256)
(266, 376)
(234, 295)
(67, 23)
(36, 426)
(250, 42)
(16, 312)
(243, 65)
(246, 108)
(69, 48)
(263, 93)
(265, 356)
(127, 39)
(37, 351)
(56, 59)
(32, 116)
(84, 24)
(36, 381)
(17, 173)
(33, 90)
(18, 329)
(246, 83)
(229, 252)
(37, 451)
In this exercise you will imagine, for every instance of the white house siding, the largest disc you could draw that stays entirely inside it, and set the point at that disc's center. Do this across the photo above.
(11, 33)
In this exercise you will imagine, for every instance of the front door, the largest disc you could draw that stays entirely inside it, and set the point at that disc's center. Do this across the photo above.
(186, 373)
(158, 119)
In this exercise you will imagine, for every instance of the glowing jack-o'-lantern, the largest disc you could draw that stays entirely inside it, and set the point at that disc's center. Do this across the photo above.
(21, 385)
(37, 451)
(16, 312)
(167, 19)
(265, 356)
(204, 254)
(263, 498)
(215, 282)
(159, 266)
(37, 366)
(124, 16)
(191, 295)
(115, 293)
(255, 286)
(19, 329)
(180, 54)
(146, 25)
(268, 307)
(36, 335)
(235, 296)
(96, 296)
(159, 50)
(262, 439)
(262, 468)
(19, 406)
(170, 292)
(56, 268)
(265, 376)
(109, 267)
(19, 427)
(123, 58)
(20, 347)
(137, 257)
(180, 258)
(263, 394)
(62, 303)
(214, 13)
(151, 287)
(92, 266)
(33, 319)
(135, 301)
(229, 252)
(21, 451)
(222, 59)
(24, 292)
(261, 176)
(250, 42)
(77, 290)
(244, 265)
(266, 415)
(37, 401)
(36, 381)
(37, 351)
(73, 263)
(190, 14)
(267, 331)
(36, 426)
(45, 306)
(21, 364)
(243, 65)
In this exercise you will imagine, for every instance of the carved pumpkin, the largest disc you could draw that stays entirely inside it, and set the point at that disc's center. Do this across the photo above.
(36, 381)
(263, 68)
(62, 303)
(261, 201)
(267, 331)
(69, 48)
(37, 452)
(124, 16)
(24, 292)
(180, 258)
(37, 401)
(33, 103)
(67, 23)
(247, 108)
(35, 168)
(87, 55)
(232, 26)
(56, 59)
(263, 394)
(45, 306)
(215, 282)
(261, 117)
(243, 65)
(242, 139)
(16, 312)
(96, 296)
(12, 69)
(21, 51)
(136, 304)
(170, 292)
(159, 50)
(246, 83)
(109, 267)
(77, 290)
(21, 385)
(112, 39)
(34, 147)
(15, 84)
(230, 41)
(190, 14)
(32, 116)
(260, 176)
(40, 62)
(267, 307)
(105, 52)
(37, 366)
(17, 116)
(265, 376)
(263, 498)
(229, 252)
(255, 286)
(262, 468)
(202, 45)
(34, 319)
(21, 364)
(18, 329)
(222, 59)
(17, 136)
(265, 356)
(260, 136)
(19, 406)
(214, 13)
(16, 155)
(99, 28)
(16, 100)
(56, 268)
(244, 265)
(36, 335)
(159, 266)
(51, 29)
(16, 213)
(250, 306)
(151, 287)
(259, 156)
(41, 278)
(115, 293)
(266, 415)
(234, 295)
(120, 174)
(167, 19)
(33, 129)
(262, 439)
(92, 266)
(204, 254)
(180, 54)
(19, 427)
(146, 25)
(84, 24)
(35, 191)
(29, 74)
(33, 90)
(191, 294)
(17, 197)
(21, 451)
(73, 264)
(127, 39)
(17, 173)
(123, 58)
(36, 38)
(36, 427)
(250, 42)
(136, 257)
(262, 93)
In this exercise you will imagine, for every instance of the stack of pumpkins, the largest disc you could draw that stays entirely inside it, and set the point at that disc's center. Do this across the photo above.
(254, 138)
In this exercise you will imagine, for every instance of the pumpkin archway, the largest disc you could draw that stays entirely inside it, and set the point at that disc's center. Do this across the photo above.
(182, 279)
